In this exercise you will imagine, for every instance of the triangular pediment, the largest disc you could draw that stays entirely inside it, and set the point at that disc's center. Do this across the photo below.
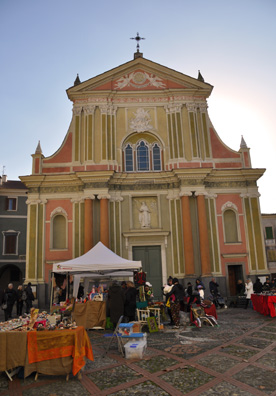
(140, 75)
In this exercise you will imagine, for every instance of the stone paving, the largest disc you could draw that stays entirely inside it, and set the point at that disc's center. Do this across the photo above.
(236, 358)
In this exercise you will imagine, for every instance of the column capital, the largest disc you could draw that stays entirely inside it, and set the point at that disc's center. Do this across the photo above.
(116, 197)
(89, 109)
(104, 196)
(77, 109)
(173, 194)
(185, 193)
(250, 195)
(90, 196)
(191, 106)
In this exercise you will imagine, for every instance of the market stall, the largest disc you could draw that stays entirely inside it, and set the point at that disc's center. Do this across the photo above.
(99, 264)
(264, 304)
(43, 348)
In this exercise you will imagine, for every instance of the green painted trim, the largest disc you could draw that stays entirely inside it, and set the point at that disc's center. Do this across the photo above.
(215, 236)
(109, 140)
(103, 136)
(170, 136)
(205, 134)
(112, 226)
(193, 134)
(82, 228)
(258, 233)
(77, 230)
(90, 138)
(32, 242)
(117, 223)
(77, 138)
(113, 139)
(174, 237)
(180, 136)
(180, 237)
(210, 231)
(40, 242)
(174, 131)
(250, 234)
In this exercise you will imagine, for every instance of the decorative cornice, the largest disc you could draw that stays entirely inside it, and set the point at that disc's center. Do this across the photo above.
(250, 195)
(36, 201)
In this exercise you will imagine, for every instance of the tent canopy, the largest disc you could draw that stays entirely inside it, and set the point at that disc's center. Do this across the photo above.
(98, 260)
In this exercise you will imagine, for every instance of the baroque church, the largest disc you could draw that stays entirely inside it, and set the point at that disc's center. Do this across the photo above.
(143, 170)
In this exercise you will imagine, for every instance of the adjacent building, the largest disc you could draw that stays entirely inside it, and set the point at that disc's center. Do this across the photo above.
(269, 230)
(13, 231)
(143, 170)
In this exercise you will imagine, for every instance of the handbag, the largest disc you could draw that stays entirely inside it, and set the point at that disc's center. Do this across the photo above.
(4, 306)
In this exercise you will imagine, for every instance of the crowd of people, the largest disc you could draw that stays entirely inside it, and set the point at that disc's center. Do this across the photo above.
(22, 297)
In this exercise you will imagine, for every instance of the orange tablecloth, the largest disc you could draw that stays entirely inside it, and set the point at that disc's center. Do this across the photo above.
(46, 345)
(263, 304)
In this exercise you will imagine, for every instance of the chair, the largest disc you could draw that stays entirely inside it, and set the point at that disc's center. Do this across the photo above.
(118, 336)
(200, 317)
(142, 315)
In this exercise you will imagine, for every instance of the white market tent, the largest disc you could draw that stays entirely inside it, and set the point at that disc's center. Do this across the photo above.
(98, 262)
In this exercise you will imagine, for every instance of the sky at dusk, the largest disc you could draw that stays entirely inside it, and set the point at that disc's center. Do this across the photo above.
(44, 44)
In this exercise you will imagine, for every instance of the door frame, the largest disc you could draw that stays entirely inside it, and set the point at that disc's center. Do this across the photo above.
(149, 243)
(227, 265)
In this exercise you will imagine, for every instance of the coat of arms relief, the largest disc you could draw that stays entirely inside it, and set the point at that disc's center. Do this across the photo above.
(141, 121)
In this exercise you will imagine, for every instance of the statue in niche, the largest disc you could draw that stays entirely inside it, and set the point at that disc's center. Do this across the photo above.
(144, 215)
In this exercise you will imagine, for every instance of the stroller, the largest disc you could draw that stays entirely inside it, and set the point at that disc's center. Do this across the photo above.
(218, 300)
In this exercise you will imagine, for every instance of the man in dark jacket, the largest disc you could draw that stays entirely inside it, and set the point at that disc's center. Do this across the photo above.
(30, 297)
(116, 301)
(9, 298)
(258, 286)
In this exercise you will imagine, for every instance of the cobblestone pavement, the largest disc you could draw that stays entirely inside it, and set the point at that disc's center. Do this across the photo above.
(237, 358)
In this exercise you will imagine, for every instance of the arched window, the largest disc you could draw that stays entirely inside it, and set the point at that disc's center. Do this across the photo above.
(142, 157)
(230, 226)
(59, 232)
(142, 154)
(156, 157)
(129, 158)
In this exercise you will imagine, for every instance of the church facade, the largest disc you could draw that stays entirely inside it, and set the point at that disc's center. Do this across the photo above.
(143, 170)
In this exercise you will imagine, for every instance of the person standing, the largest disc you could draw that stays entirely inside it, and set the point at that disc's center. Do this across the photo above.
(130, 302)
(30, 297)
(258, 286)
(248, 291)
(166, 289)
(9, 298)
(178, 293)
(19, 300)
(116, 300)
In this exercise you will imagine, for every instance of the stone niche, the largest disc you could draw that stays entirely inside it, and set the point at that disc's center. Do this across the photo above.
(144, 213)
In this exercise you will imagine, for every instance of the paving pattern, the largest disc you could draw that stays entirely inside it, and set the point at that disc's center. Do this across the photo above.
(236, 358)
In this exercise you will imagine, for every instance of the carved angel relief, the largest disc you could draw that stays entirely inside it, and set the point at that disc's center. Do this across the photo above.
(141, 122)
(139, 79)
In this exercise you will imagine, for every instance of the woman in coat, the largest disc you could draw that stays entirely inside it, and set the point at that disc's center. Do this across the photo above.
(178, 293)
(248, 291)
(130, 302)
(116, 300)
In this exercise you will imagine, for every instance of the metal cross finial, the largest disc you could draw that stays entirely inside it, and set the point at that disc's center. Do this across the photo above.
(137, 38)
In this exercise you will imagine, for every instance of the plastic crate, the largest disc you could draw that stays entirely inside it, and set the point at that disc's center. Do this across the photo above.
(135, 350)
